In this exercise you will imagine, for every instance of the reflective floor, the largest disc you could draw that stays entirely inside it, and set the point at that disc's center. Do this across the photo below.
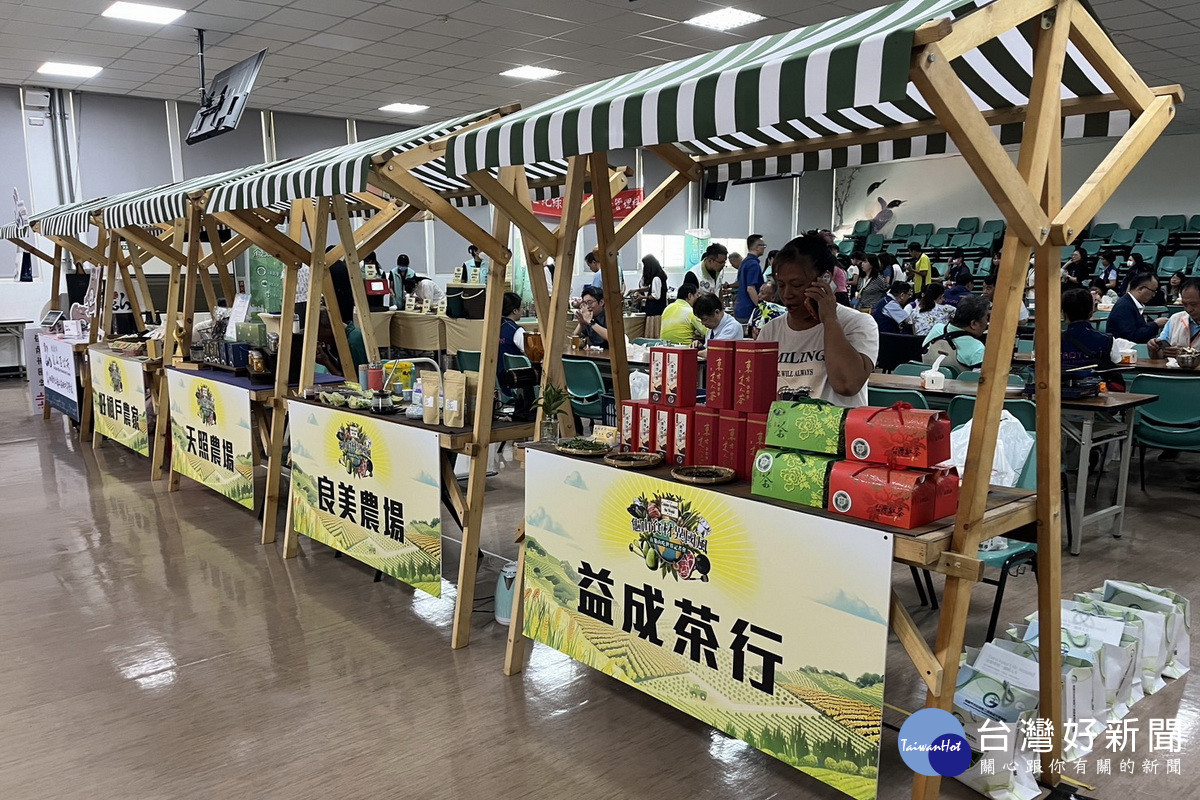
(153, 649)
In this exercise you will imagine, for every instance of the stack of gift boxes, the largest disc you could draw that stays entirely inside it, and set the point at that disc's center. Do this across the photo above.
(877, 464)
(727, 428)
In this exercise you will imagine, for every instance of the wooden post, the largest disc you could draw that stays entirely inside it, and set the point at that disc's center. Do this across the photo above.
(279, 414)
(614, 300)
(514, 652)
(56, 279)
(220, 260)
(354, 266)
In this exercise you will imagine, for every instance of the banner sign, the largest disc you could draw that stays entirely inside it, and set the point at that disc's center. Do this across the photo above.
(623, 204)
(33, 368)
(371, 489)
(212, 438)
(119, 400)
(58, 374)
(766, 623)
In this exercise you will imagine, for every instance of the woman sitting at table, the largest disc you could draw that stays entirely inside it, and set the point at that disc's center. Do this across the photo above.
(512, 335)
(653, 287)
(931, 309)
(590, 319)
(826, 350)
(961, 339)
(1083, 345)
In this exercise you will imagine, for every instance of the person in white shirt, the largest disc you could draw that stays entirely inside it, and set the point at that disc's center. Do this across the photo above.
(708, 271)
(712, 316)
(424, 288)
(474, 260)
(825, 349)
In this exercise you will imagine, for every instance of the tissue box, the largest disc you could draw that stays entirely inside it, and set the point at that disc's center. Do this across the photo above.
(795, 477)
(657, 364)
(731, 437)
(903, 498)
(945, 501)
(720, 374)
(682, 452)
(901, 437)
(680, 369)
(755, 376)
(812, 426)
(664, 431)
(645, 428)
(254, 333)
(756, 436)
(629, 426)
(705, 448)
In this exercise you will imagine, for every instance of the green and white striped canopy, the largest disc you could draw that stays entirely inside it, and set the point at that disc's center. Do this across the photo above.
(344, 170)
(167, 203)
(14, 231)
(842, 76)
(69, 219)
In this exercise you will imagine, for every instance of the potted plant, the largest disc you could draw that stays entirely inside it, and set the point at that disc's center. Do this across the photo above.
(551, 404)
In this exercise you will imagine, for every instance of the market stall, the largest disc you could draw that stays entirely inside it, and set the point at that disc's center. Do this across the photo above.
(884, 84)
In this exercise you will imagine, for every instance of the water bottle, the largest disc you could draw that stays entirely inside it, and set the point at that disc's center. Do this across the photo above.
(415, 410)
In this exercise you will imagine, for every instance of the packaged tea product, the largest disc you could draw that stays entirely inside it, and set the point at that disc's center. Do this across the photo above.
(454, 388)
(472, 379)
(431, 388)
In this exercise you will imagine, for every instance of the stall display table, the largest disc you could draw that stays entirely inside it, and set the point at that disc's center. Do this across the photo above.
(421, 332)
(15, 329)
(144, 376)
(1092, 422)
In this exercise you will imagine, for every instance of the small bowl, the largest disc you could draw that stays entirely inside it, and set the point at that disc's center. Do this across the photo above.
(1187, 361)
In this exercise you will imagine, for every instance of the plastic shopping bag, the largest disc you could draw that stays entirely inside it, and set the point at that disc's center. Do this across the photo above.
(1013, 444)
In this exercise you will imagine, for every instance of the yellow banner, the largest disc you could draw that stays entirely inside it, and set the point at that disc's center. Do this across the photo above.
(119, 399)
(370, 488)
(767, 623)
(212, 435)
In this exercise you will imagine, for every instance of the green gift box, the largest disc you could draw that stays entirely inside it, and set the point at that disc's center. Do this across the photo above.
(799, 478)
(810, 425)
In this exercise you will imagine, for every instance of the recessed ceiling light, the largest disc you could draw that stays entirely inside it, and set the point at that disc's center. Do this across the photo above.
(139, 12)
(531, 73)
(69, 70)
(403, 108)
(724, 19)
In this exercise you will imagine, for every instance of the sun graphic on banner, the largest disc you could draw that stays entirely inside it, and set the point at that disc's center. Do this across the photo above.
(357, 447)
(692, 533)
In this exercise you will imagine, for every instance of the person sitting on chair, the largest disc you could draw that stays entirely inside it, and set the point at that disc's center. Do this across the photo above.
(1183, 328)
(890, 312)
(590, 318)
(720, 325)
(960, 339)
(679, 322)
(1126, 320)
(512, 335)
(1083, 345)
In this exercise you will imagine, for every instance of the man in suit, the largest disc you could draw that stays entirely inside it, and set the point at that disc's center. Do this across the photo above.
(1126, 321)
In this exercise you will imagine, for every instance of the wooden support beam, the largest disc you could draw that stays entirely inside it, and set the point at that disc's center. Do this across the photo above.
(110, 286)
(341, 216)
(220, 260)
(514, 651)
(131, 293)
(1042, 132)
(33, 251)
(932, 31)
(614, 301)
(338, 326)
(56, 283)
(135, 261)
(81, 251)
(535, 257)
(985, 24)
(512, 207)
(191, 274)
(152, 244)
(370, 237)
(1106, 58)
(915, 645)
(1116, 166)
(318, 235)
(279, 413)
(946, 95)
(267, 236)
(678, 160)
(233, 248)
(649, 208)
(617, 181)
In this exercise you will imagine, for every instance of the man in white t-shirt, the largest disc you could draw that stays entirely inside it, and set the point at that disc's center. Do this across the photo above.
(824, 348)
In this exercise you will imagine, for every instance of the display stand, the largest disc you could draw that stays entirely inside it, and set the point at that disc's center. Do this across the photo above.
(1028, 194)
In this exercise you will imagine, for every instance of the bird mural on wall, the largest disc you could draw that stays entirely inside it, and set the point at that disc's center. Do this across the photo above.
(882, 212)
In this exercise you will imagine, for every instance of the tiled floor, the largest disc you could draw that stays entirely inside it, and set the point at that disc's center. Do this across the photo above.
(153, 649)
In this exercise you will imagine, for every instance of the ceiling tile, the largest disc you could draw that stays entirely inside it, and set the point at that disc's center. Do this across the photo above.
(239, 9)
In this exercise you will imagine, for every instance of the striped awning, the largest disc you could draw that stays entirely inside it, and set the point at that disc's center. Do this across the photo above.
(842, 76)
(69, 219)
(168, 203)
(344, 169)
(14, 231)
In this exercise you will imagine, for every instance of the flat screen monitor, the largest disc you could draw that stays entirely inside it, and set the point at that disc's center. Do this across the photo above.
(226, 100)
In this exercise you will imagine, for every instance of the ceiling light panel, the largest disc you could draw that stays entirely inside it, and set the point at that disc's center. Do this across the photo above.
(69, 70)
(725, 19)
(404, 108)
(531, 73)
(139, 12)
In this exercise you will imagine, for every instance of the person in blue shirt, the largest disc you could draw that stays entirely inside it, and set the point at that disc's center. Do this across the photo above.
(512, 335)
(750, 278)
(1127, 320)
(712, 316)
(1083, 345)
(960, 339)
(890, 312)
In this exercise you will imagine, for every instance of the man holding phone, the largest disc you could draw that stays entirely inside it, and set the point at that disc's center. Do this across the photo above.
(825, 349)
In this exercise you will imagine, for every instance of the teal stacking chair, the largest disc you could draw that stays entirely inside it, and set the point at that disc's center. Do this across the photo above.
(1171, 422)
(1141, 223)
(874, 243)
(861, 228)
(1174, 223)
(846, 246)
(901, 232)
(968, 225)
(512, 361)
(585, 386)
(1158, 236)
(926, 228)
(468, 360)
(1123, 237)
(1024, 345)
(1104, 230)
(1148, 252)
(962, 408)
(888, 397)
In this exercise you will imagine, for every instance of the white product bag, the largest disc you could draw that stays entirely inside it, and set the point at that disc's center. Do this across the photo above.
(1154, 635)
(1179, 623)
(1013, 444)
(981, 700)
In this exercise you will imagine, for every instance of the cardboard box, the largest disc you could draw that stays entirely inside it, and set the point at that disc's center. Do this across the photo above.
(756, 435)
(683, 441)
(799, 478)
(680, 370)
(720, 374)
(900, 437)
(664, 431)
(809, 425)
(903, 498)
(707, 433)
(756, 371)
(645, 430)
(945, 502)
(731, 439)
(657, 368)
(629, 424)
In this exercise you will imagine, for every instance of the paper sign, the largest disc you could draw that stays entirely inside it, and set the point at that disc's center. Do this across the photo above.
(1018, 671)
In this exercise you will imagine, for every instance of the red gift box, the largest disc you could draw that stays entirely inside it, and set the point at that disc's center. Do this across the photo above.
(900, 436)
(645, 429)
(657, 362)
(731, 436)
(629, 425)
(756, 435)
(720, 374)
(755, 376)
(705, 446)
(683, 442)
(680, 369)
(664, 431)
(903, 498)
(945, 502)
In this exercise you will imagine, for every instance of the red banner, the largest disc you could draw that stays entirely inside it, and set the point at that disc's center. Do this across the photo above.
(623, 205)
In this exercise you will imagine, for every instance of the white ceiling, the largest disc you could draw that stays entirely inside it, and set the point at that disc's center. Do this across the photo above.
(346, 58)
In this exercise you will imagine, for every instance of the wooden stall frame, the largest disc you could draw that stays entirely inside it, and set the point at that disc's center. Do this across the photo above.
(1029, 194)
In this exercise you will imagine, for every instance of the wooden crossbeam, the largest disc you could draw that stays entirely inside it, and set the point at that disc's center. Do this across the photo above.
(535, 257)
(511, 206)
(985, 24)
(265, 235)
(614, 303)
(1106, 58)
(81, 251)
(341, 216)
(152, 244)
(233, 248)
(618, 179)
(393, 220)
(648, 209)
(33, 251)
(677, 160)
(915, 645)
(1045, 106)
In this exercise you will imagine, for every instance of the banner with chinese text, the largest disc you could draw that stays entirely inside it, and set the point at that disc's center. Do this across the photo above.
(58, 374)
(623, 204)
(766, 623)
(212, 435)
(119, 400)
(371, 489)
